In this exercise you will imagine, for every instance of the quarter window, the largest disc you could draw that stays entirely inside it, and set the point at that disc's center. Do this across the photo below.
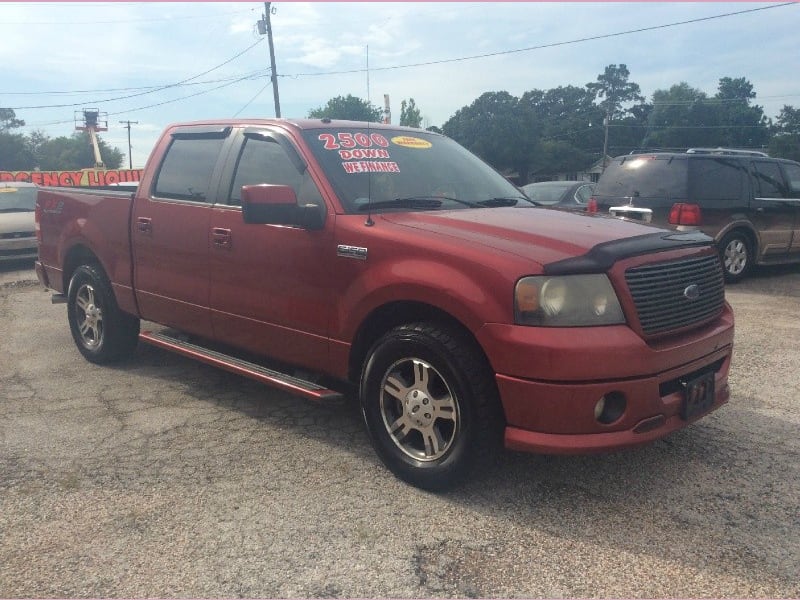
(717, 179)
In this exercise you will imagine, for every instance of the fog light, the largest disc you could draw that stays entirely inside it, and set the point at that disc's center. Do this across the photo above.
(610, 408)
(599, 408)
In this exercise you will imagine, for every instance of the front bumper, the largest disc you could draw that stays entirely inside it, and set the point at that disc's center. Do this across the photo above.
(559, 418)
(551, 380)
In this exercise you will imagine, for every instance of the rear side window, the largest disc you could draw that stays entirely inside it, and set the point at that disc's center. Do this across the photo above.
(645, 176)
(186, 171)
(717, 179)
(793, 175)
(769, 180)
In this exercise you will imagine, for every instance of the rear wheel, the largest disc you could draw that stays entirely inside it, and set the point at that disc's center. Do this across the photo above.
(101, 331)
(737, 255)
(430, 404)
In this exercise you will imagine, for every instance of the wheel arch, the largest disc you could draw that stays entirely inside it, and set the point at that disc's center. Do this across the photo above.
(393, 314)
(78, 255)
(748, 230)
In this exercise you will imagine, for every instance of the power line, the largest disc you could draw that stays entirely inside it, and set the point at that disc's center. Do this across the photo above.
(130, 110)
(543, 46)
(252, 74)
(152, 91)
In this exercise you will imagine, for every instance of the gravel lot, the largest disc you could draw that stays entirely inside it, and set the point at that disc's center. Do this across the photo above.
(166, 478)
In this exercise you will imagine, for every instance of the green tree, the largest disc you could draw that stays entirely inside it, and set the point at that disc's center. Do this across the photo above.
(785, 142)
(348, 108)
(571, 127)
(500, 129)
(684, 117)
(747, 127)
(15, 155)
(75, 152)
(9, 120)
(409, 114)
(615, 90)
(678, 118)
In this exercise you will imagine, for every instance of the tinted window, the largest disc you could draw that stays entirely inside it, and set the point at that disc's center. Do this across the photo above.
(264, 161)
(792, 172)
(717, 179)
(769, 180)
(186, 171)
(645, 176)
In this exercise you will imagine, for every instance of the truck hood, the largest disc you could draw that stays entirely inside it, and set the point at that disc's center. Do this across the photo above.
(541, 235)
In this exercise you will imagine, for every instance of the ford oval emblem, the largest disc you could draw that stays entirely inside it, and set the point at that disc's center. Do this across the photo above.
(692, 292)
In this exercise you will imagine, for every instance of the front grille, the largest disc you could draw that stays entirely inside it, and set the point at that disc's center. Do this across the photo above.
(661, 293)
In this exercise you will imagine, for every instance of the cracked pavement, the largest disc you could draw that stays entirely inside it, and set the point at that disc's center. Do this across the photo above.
(162, 477)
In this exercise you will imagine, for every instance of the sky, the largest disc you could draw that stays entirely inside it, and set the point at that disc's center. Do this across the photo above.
(157, 63)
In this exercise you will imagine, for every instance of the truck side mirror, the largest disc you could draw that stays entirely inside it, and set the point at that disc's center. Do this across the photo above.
(266, 204)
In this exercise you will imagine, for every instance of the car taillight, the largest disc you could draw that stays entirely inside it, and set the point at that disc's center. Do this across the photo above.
(591, 205)
(682, 213)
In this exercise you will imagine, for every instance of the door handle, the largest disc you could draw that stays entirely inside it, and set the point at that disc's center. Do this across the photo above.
(144, 225)
(221, 237)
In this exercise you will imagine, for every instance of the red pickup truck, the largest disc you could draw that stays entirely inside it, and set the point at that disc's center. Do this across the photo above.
(328, 257)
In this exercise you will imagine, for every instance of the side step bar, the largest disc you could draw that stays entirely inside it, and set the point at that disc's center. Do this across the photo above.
(273, 378)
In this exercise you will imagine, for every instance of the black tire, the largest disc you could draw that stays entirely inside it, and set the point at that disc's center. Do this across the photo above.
(101, 331)
(430, 404)
(736, 252)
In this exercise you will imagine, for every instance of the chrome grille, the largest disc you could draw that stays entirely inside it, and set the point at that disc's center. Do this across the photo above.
(659, 292)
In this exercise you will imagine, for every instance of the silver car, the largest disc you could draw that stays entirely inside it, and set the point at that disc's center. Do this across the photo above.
(17, 228)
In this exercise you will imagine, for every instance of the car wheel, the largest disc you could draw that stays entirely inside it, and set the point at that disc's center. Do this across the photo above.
(430, 404)
(737, 256)
(102, 332)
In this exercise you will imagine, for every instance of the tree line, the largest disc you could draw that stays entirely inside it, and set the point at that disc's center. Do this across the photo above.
(566, 129)
(536, 136)
(19, 152)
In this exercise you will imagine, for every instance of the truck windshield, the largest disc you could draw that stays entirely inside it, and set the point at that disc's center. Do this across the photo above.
(383, 169)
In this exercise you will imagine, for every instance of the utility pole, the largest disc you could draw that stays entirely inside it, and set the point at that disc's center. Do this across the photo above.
(606, 123)
(128, 127)
(265, 26)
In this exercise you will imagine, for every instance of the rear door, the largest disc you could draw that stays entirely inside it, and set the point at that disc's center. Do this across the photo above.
(772, 210)
(791, 172)
(170, 231)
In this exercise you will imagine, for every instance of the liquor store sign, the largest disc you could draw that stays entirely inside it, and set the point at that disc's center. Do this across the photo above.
(86, 177)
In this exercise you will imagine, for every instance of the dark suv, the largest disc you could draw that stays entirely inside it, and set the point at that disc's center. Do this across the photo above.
(747, 201)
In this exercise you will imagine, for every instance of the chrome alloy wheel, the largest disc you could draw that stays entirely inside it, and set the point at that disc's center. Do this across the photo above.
(735, 256)
(88, 317)
(419, 410)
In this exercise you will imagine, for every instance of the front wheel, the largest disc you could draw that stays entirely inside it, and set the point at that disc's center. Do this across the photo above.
(430, 404)
(101, 331)
(737, 256)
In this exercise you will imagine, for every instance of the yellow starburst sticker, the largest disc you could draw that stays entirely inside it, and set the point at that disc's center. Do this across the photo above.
(410, 142)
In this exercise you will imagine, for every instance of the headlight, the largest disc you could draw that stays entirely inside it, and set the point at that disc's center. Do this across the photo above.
(566, 301)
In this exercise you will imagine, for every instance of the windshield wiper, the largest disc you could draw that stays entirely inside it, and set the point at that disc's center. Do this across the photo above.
(15, 209)
(428, 202)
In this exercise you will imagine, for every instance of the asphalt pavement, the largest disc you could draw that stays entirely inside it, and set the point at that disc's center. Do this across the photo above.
(162, 477)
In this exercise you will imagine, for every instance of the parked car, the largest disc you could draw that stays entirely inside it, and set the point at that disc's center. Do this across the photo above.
(748, 202)
(560, 194)
(17, 229)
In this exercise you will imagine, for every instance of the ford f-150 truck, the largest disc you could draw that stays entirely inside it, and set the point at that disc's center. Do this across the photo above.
(333, 258)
